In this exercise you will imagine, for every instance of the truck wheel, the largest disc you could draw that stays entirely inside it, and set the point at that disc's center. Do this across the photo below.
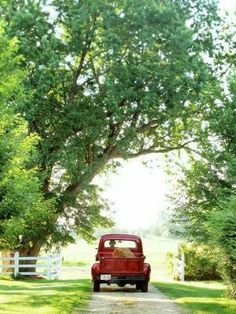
(144, 287)
(138, 286)
(96, 286)
(121, 284)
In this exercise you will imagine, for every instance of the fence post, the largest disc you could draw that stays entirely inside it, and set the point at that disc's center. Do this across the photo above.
(59, 264)
(49, 275)
(16, 263)
(182, 267)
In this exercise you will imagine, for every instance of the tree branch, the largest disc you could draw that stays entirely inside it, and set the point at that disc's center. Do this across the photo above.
(89, 157)
(95, 75)
(88, 41)
(148, 126)
(115, 131)
(151, 150)
(71, 191)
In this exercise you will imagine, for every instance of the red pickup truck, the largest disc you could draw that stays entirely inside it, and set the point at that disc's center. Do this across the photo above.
(120, 260)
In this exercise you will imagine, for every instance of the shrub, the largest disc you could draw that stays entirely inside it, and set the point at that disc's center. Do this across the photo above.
(222, 228)
(200, 263)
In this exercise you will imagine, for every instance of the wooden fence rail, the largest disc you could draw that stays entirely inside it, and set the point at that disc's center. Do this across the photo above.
(50, 265)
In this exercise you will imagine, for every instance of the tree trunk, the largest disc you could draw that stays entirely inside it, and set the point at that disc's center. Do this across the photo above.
(6, 264)
(29, 252)
(232, 290)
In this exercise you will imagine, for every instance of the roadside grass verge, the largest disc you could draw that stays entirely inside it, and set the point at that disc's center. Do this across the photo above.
(44, 296)
(199, 297)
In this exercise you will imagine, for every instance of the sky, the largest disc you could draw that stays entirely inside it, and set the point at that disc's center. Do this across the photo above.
(138, 191)
(228, 5)
(138, 194)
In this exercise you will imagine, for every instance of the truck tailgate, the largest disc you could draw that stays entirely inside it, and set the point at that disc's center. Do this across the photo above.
(121, 265)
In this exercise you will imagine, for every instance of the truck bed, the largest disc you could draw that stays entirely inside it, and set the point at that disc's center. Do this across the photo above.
(121, 265)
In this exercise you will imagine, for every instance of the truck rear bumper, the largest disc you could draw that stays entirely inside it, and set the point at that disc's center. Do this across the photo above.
(122, 279)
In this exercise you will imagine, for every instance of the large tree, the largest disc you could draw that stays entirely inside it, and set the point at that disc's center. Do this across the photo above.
(109, 79)
(24, 213)
(205, 201)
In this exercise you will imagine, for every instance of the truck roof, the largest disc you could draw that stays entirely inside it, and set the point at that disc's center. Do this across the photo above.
(120, 236)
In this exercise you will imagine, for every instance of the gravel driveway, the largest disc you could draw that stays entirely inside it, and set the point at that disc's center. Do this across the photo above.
(115, 300)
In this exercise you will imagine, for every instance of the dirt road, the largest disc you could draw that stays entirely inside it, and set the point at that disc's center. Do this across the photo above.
(115, 300)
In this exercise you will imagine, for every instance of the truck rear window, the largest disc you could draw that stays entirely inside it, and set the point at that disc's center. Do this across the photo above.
(120, 244)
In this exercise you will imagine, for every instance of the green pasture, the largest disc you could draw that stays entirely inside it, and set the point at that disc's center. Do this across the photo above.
(199, 297)
(43, 296)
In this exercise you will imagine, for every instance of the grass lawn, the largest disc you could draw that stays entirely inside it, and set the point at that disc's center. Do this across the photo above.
(199, 297)
(43, 296)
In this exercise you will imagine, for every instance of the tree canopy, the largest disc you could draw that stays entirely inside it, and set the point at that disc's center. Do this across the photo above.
(206, 208)
(22, 205)
(106, 80)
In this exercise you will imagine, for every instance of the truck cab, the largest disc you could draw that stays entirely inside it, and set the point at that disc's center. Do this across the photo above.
(120, 260)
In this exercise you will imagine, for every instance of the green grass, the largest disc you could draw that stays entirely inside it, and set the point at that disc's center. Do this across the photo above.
(81, 251)
(73, 263)
(43, 296)
(199, 297)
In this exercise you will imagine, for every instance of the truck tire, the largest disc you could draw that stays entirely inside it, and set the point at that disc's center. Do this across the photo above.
(144, 287)
(121, 284)
(138, 285)
(96, 286)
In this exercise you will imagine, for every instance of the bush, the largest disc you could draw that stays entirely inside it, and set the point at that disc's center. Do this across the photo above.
(222, 228)
(200, 263)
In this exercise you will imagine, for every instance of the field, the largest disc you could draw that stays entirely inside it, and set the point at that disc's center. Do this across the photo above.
(73, 290)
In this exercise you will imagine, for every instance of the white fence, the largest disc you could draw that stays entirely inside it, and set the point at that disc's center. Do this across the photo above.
(179, 266)
(48, 266)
